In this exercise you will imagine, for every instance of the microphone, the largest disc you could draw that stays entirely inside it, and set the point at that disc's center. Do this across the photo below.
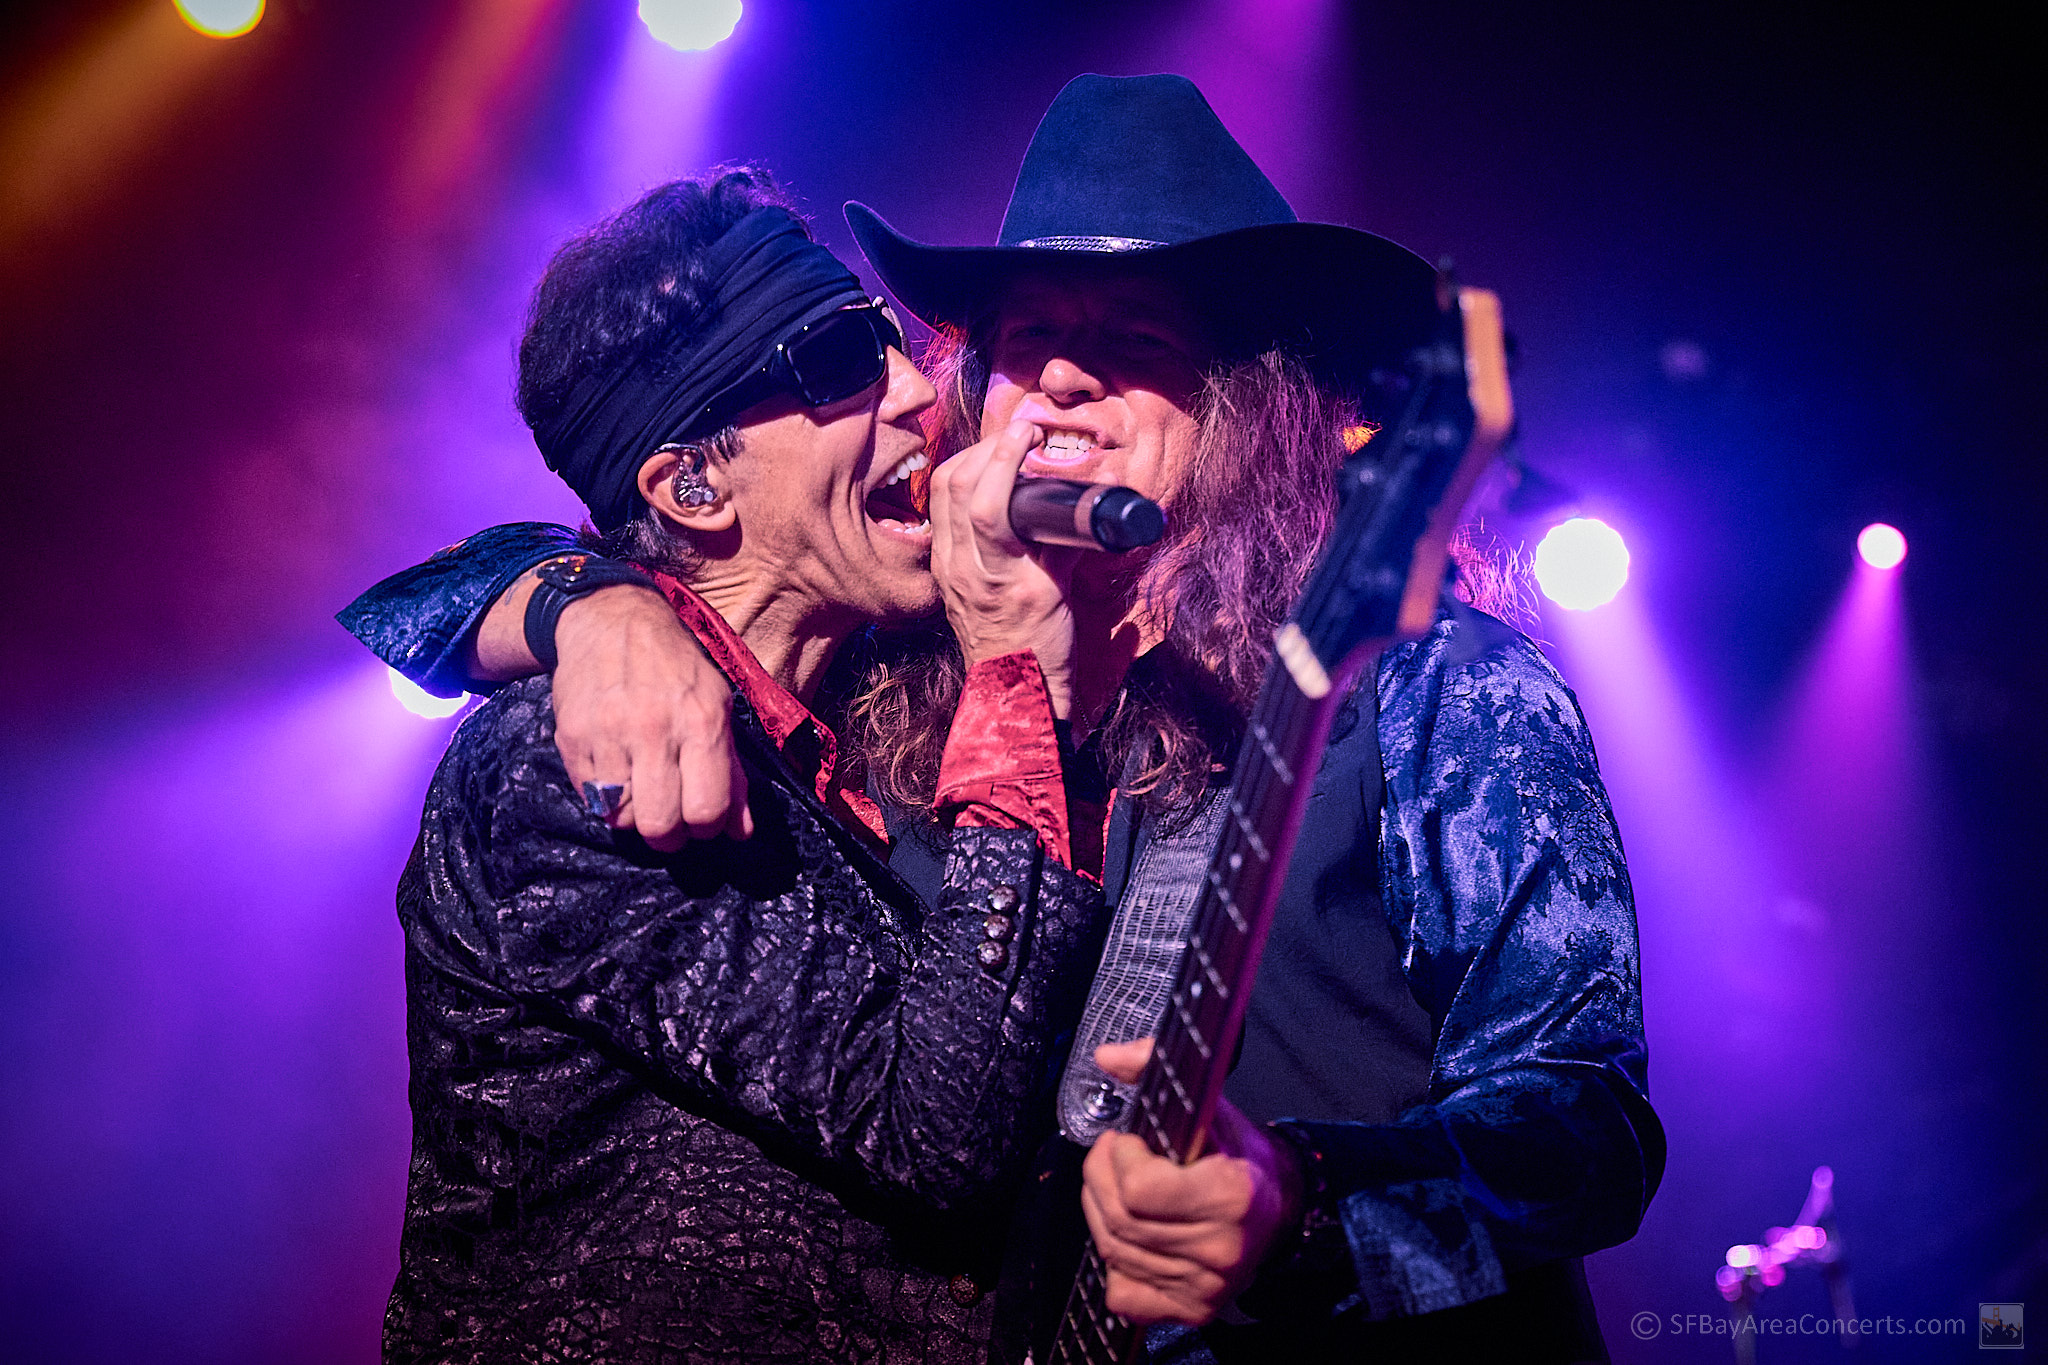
(1088, 516)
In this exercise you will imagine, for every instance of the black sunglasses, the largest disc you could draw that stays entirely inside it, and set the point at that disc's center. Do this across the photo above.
(832, 359)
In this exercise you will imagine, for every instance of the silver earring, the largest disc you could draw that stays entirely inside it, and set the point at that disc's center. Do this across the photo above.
(689, 485)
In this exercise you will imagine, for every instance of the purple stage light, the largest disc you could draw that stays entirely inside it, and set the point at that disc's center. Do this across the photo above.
(650, 115)
(690, 25)
(421, 702)
(1881, 546)
(1582, 564)
(1848, 790)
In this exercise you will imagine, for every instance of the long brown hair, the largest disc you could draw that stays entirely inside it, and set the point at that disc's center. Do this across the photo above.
(1246, 517)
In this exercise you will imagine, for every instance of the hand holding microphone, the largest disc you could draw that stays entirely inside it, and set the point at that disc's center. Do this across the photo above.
(1084, 516)
(1002, 595)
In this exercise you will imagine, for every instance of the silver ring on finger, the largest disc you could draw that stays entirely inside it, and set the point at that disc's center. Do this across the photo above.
(603, 799)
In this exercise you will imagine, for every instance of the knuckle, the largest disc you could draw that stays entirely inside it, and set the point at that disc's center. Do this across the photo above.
(703, 813)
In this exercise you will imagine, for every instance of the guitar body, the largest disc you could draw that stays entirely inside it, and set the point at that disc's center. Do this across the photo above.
(1379, 581)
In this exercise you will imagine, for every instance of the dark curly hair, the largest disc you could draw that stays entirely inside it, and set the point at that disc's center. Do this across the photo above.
(634, 289)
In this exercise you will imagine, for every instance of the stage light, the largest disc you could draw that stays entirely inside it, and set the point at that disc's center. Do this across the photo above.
(1881, 546)
(421, 702)
(1582, 564)
(221, 18)
(690, 25)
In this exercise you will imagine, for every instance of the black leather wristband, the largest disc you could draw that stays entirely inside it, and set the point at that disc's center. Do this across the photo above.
(562, 580)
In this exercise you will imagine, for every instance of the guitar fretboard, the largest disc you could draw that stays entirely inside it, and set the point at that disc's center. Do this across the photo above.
(1192, 1049)
(1193, 1046)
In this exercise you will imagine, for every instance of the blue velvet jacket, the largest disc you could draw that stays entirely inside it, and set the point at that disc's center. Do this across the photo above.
(1448, 1018)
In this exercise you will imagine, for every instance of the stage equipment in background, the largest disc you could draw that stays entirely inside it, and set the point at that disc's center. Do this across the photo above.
(690, 25)
(1813, 1239)
(1881, 546)
(221, 18)
(421, 702)
(1582, 564)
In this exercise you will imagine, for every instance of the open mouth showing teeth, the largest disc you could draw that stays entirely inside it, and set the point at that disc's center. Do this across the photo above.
(1068, 445)
(904, 497)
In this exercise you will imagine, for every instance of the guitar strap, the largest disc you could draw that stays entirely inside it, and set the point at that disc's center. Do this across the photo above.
(1146, 938)
(1148, 934)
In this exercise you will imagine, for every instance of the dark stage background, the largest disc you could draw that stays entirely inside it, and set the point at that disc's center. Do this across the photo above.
(1776, 273)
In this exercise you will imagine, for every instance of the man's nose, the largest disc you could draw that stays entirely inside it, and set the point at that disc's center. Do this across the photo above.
(1066, 380)
(908, 390)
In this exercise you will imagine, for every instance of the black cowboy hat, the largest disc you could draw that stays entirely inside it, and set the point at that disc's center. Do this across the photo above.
(1139, 170)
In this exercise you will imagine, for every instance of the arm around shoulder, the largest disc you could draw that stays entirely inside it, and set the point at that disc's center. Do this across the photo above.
(828, 1015)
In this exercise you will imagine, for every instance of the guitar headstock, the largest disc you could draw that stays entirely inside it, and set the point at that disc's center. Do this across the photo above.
(1382, 574)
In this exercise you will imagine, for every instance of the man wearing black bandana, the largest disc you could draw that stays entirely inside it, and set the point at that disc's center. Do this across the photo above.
(754, 1099)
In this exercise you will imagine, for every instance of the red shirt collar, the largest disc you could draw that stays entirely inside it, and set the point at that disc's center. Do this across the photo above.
(781, 714)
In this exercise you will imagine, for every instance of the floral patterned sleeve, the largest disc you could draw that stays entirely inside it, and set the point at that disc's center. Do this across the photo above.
(1504, 878)
(1001, 768)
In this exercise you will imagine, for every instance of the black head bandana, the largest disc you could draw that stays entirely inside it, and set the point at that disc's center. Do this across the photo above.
(771, 279)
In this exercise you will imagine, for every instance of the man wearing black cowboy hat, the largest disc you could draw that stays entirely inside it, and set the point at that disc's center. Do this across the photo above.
(1442, 1079)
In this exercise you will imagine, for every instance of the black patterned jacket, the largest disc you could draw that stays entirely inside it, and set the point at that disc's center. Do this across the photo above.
(752, 1101)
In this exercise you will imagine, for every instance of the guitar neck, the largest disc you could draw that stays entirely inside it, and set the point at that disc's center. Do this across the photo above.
(1197, 1038)
(1192, 1049)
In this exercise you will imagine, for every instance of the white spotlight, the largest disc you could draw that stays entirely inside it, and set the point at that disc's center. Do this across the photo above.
(1882, 546)
(421, 702)
(1582, 564)
(221, 18)
(690, 25)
